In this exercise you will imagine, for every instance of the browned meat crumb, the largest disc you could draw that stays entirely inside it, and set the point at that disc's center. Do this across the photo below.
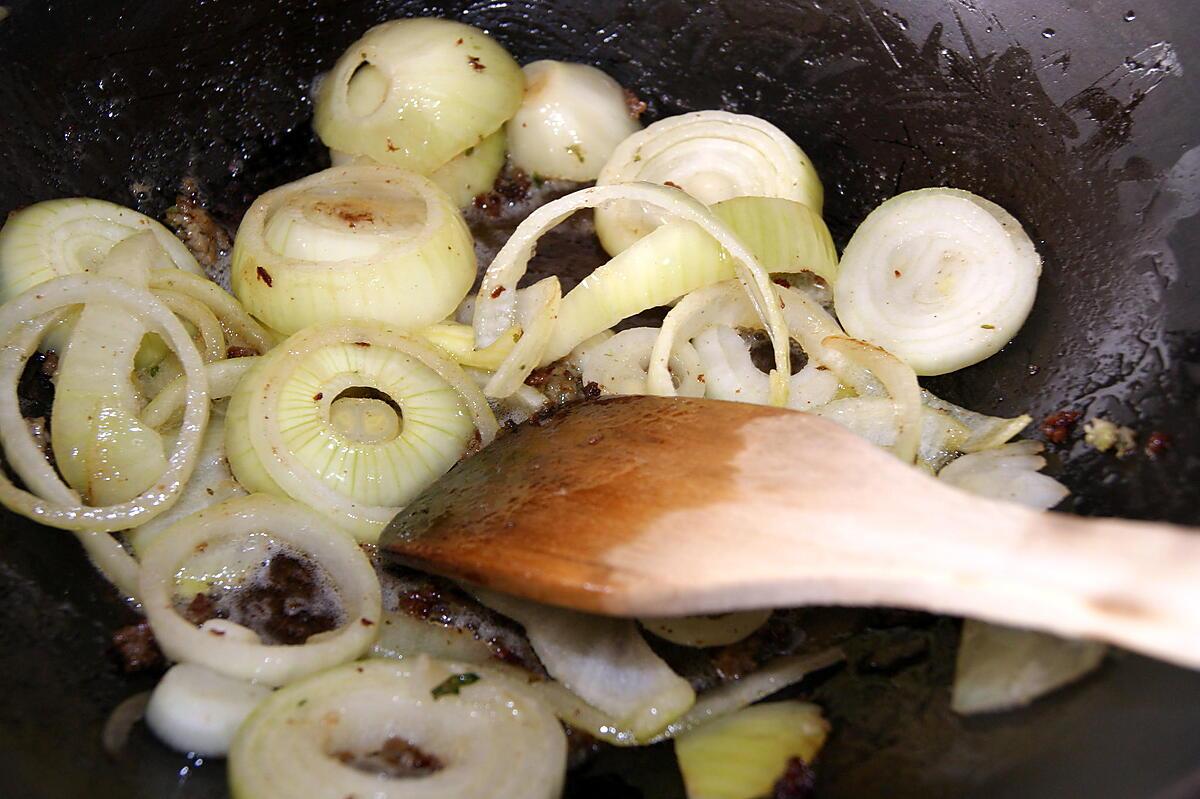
(397, 758)
(635, 105)
(241, 352)
(136, 648)
(264, 276)
(1057, 426)
(201, 609)
(285, 603)
(799, 781)
(734, 662)
(511, 188)
(204, 236)
(1157, 443)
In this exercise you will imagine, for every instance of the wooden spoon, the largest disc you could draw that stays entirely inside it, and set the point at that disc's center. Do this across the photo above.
(646, 506)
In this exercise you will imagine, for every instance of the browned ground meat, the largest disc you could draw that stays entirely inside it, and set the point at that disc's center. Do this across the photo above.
(136, 648)
(207, 239)
(1057, 426)
(285, 603)
(396, 758)
(798, 781)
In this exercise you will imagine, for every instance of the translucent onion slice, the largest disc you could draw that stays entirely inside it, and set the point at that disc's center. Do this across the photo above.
(787, 236)
(571, 120)
(618, 363)
(986, 432)
(414, 93)
(197, 315)
(899, 381)
(296, 527)
(874, 418)
(730, 374)
(223, 378)
(290, 432)
(69, 236)
(724, 304)
(49, 500)
(744, 754)
(489, 737)
(362, 241)
(496, 305)
(703, 631)
(1000, 668)
(211, 482)
(240, 328)
(465, 176)
(604, 661)
(100, 446)
(404, 636)
(197, 710)
(1009, 472)
(536, 313)
(941, 278)
(711, 155)
(458, 342)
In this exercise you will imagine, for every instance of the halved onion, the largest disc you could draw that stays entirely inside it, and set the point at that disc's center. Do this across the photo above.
(571, 120)
(940, 278)
(702, 631)
(711, 155)
(363, 242)
(744, 754)
(68, 236)
(298, 528)
(414, 93)
(496, 305)
(195, 709)
(297, 425)
(464, 177)
(604, 661)
(484, 736)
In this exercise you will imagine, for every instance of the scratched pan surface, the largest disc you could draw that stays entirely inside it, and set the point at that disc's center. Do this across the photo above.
(1079, 116)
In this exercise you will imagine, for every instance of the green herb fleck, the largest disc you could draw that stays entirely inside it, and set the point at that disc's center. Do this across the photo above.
(577, 151)
(538, 180)
(302, 703)
(153, 371)
(469, 151)
(453, 684)
(988, 327)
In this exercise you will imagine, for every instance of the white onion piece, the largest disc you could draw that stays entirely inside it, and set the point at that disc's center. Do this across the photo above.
(457, 341)
(300, 529)
(703, 631)
(729, 373)
(496, 302)
(491, 738)
(197, 710)
(787, 236)
(874, 418)
(1000, 668)
(404, 636)
(364, 241)
(414, 93)
(69, 236)
(536, 314)
(208, 328)
(52, 502)
(282, 437)
(940, 278)
(211, 482)
(605, 661)
(711, 155)
(986, 432)
(618, 363)
(899, 381)
(571, 120)
(119, 723)
(239, 327)
(464, 177)
(223, 377)
(1009, 472)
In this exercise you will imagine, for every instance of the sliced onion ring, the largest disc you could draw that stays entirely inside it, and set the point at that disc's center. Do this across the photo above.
(294, 525)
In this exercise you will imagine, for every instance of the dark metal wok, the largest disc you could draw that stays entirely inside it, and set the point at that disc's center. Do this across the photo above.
(1079, 116)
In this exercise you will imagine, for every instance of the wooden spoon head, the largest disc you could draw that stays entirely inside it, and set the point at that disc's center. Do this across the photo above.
(603, 508)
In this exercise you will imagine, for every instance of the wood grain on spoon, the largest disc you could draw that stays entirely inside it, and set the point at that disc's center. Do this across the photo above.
(651, 506)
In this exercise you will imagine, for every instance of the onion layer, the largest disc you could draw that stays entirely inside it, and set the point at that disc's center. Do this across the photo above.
(197, 710)
(711, 155)
(295, 526)
(940, 278)
(353, 242)
(297, 428)
(489, 737)
(703, 631)
(414, 93)
(65, 237)
(571, 120)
